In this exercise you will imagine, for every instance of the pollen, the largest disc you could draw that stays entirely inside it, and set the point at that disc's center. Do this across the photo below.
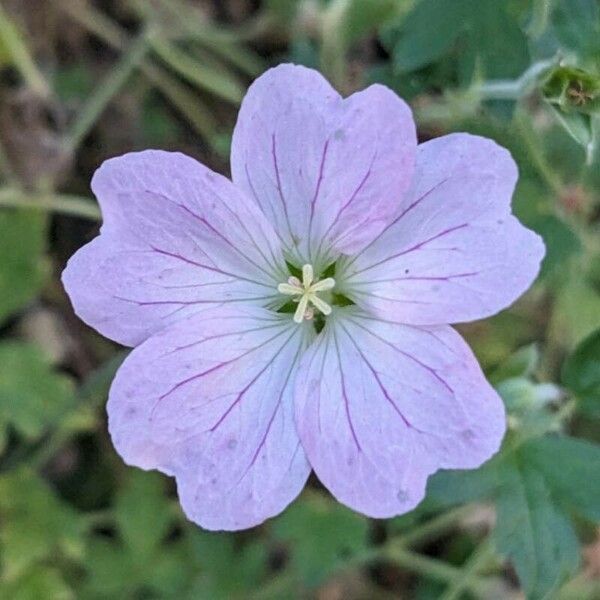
(305, 293)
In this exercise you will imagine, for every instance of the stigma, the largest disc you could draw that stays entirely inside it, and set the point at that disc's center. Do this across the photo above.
(305, 293)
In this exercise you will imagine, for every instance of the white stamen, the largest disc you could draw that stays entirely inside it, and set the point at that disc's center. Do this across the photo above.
(305, 293)
(308, 276)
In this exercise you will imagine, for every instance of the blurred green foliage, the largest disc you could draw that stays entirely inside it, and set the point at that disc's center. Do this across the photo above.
(108, 77)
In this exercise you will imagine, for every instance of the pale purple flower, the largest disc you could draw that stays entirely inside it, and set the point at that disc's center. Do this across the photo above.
(239, 401)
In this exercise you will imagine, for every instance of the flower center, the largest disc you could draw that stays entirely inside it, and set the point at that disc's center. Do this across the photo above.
(305, 293)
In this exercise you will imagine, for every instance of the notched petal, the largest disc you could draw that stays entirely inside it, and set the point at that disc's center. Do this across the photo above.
(455, 253)
(329, 172)
(381, 406)
(177, 238)
(209, 401)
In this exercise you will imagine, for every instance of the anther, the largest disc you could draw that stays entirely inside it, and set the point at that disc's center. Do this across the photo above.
(305, 293)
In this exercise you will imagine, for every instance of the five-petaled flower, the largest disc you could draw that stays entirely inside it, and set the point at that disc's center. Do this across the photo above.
(296, 316)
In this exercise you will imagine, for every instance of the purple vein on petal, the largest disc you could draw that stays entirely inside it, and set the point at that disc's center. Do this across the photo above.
(250, 384)
(407, 355)
(272, 419)
(279, 188)
(225, 239)
(345, 395)
(212, 370)
(203, 266)
(315, 197)
(380, 383)
(399, 218)
(411, 249)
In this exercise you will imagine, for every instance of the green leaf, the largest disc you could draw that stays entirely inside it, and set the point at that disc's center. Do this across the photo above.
(481, 31)
(227, 571)
(581, 373)
(531, 531)
(576, 312)
(321, 534)
(572, 470)
(110, 572)
(22, 270)
(450, 488)
(560, 240)
(142, 514)
(220, 83)
(36, 524)
(363, 16)
(428, 32)
(38, 582)
(32, 396)
(521, 363)
(576, 24)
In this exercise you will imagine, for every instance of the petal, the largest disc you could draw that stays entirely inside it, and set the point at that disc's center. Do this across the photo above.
(209, 401)
(380, 406)
(328, 172)
(177, 238)
(455, 253)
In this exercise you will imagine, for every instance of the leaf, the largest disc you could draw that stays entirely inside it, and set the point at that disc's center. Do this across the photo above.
(450, 488)
(321, 535)
(226, 570)
(576, 24)
(36, 524)
(22, 270)
(363, 16)
(530, 484)
(521, 363)
(576, 312)
(480, 31)
(38, 582)
(571, 468)
(531, 531)
(560, 240)
(142, 515)
(203, 76)
(109, 569)
(32, 396)
(581, 373)
(140, 557)
(428, 32)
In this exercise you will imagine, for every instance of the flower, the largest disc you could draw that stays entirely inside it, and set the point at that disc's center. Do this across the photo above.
(296, 316)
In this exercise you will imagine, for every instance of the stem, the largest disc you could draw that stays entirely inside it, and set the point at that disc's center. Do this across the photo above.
(333, 42)
(21, 57)
(438, 525)
(476, 562)
(536, 154)
(433, 569)
(66, 204)
(189, 105)
(103, 94)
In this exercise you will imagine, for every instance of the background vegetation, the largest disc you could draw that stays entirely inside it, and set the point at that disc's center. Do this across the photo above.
(82, 80)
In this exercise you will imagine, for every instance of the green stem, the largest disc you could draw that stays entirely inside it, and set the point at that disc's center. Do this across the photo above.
(188, 104)
(13, 42)
(478, 560)
(433, 568)
(434, 527)
(66, 204)
(333, 42)
(107, 89)
(536, 154)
